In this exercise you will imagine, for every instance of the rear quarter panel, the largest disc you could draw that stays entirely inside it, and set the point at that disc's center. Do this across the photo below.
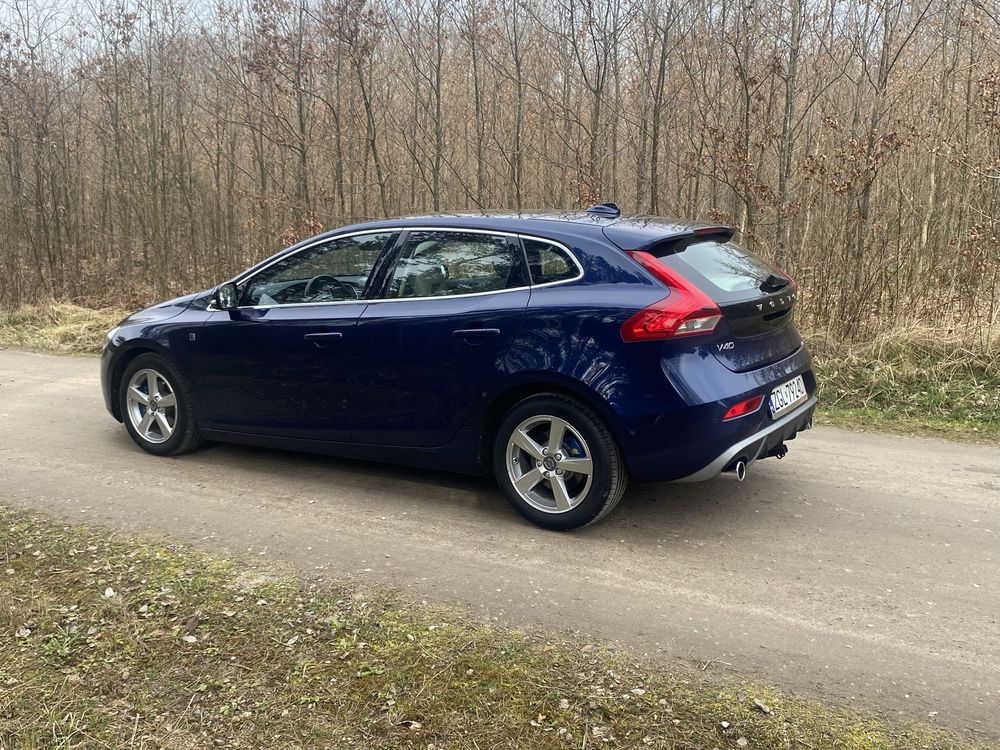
(571, 340)
(663, 400)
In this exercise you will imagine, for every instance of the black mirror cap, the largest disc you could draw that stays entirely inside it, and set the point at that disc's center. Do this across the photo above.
(226, 296)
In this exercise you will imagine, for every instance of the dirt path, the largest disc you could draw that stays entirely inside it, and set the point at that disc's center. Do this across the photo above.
(864, 567)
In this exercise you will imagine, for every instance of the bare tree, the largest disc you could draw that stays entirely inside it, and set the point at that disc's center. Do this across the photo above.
(146, 149)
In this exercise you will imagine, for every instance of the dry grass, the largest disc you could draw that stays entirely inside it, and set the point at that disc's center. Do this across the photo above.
(123, 643)
(57, 327)
(914, 379)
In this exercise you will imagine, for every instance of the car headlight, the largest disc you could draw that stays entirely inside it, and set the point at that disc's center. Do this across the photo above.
(110, 335)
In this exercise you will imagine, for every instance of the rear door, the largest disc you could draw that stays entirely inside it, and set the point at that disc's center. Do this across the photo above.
(436, 338)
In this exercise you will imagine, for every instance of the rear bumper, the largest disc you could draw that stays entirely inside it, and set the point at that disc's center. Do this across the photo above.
(667, 434)
(759, 444)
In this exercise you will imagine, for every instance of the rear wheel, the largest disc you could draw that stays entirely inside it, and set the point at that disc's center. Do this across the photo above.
(157, 406)
(557, 463)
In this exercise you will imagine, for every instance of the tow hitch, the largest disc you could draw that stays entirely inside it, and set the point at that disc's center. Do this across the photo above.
(778, 451)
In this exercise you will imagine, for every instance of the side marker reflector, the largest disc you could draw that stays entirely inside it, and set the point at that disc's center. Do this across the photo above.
(743, 408)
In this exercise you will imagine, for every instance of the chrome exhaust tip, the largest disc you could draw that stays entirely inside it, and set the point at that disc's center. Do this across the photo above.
(741, 470)
(738, 466)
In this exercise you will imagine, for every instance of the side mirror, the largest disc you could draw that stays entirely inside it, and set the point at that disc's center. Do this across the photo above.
(225, 297)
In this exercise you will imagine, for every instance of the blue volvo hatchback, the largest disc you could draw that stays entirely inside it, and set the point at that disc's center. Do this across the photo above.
(564, 354)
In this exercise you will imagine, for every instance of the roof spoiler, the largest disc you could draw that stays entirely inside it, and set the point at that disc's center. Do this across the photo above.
(675, 243)
(723, 229)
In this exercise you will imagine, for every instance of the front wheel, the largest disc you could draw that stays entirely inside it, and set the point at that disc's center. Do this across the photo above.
(157, 406)
(557, 463)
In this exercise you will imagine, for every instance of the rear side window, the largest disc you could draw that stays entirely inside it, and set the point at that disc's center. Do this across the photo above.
(548, 262)
(441, 264)
(725, 265)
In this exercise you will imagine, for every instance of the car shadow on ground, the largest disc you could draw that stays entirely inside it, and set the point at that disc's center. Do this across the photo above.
(665, 510)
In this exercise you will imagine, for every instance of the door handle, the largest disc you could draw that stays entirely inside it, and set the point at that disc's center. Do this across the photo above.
(476, 333)
(322, 339)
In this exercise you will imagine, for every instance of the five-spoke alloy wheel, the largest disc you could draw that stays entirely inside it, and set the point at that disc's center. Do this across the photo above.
(549, 463)
(152, 405)
(157, 407)
(557, 462)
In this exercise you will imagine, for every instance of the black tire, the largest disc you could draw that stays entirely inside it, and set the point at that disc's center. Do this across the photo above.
(185, 435)
(589, 434)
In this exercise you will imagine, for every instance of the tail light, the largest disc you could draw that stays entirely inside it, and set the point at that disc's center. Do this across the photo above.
(686, 312)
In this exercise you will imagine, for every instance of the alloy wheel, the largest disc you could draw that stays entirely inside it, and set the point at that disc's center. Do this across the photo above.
(151, 405)
(549, 464)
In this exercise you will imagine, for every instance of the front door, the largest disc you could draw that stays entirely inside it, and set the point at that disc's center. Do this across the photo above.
(437, 337)
(282, 363)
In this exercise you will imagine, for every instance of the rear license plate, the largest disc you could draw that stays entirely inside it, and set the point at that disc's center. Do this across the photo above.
(788, 395)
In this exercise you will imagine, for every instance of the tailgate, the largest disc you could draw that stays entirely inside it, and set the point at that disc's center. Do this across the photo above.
(757, 300)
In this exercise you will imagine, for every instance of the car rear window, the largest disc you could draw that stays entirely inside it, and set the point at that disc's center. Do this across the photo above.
(726, 265)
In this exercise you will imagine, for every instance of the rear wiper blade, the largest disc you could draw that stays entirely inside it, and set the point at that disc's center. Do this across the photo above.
(773, 283)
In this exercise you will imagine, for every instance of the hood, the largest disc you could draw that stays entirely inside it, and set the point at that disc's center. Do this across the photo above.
(163, 310)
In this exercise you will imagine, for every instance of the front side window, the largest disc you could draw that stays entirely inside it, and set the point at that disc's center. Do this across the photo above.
(440, 264)
(548, 262)
(332, 271)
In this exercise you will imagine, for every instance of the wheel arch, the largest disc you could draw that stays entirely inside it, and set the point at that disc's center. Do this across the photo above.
(129, 353)
(504, 400)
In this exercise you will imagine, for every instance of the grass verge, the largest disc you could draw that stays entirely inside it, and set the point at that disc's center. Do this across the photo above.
(125, 643)
(57, 327)
(915, 380)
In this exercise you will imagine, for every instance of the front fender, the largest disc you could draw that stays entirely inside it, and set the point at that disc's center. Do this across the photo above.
(174, 338)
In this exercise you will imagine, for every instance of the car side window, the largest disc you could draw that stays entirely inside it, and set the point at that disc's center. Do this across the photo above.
(440, 264)
(331, 271)
(548, 262)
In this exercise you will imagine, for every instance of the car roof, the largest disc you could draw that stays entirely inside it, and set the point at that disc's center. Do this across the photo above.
(626, 231)
(505, 221)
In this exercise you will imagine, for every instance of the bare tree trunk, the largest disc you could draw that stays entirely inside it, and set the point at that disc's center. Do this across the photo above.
(657, 115)
(782, 225)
